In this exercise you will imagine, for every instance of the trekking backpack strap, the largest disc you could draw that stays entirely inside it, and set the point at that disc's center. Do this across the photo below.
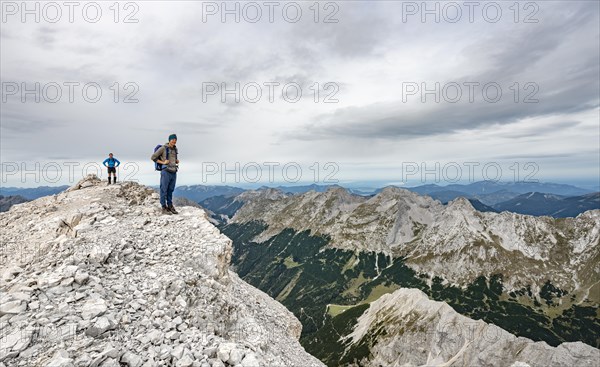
(166, 154)
(161, 167)
(158, 166)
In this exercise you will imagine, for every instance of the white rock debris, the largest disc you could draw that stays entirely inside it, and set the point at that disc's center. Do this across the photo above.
(96, 276)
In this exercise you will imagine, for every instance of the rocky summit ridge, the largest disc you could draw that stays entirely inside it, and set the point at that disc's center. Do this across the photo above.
(96, 276)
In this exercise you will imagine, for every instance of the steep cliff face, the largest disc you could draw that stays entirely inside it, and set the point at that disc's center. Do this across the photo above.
(96, 276)
(405, 328)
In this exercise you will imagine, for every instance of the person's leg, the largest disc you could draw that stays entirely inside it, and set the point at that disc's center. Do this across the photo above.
(112, 171)
(164, 186)
(172, 180)
(170, 197)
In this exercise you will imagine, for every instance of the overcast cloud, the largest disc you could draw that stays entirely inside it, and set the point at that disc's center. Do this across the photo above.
(371, 53)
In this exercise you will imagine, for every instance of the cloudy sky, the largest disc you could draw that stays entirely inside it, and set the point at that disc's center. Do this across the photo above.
(388, 92)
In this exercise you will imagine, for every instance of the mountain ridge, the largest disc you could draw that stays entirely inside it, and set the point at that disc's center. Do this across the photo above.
(399, 222)
(96, 275)
(432, 333)
(6, 202)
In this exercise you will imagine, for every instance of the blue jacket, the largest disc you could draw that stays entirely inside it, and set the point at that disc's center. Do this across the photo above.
(110, 162)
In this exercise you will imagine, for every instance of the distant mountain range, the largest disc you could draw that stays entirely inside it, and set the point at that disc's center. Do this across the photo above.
(304, 188)
(557, 200)
(489, 187)
(488, 193)
(488, 199)
(7, 201)
(536, 203)
(32, 193)
(198, 193)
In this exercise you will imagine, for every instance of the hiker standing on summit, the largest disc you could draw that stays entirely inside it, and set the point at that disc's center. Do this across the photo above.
(165, 159)
(111, 163)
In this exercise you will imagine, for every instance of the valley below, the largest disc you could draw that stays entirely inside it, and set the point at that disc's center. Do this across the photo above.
(539, 287)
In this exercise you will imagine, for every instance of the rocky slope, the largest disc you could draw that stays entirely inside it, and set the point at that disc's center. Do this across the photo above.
(96, 276)
(454, 241)
(405, 328)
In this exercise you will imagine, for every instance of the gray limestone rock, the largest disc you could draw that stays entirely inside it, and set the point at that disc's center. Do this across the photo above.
(158, 294)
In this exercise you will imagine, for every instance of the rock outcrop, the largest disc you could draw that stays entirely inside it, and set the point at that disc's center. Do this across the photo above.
(96, 276)
(405, 328)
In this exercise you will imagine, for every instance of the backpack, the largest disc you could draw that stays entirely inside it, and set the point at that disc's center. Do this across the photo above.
(158, 166)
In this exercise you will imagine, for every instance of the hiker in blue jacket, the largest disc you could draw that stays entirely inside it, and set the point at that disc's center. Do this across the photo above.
(166, 161)
(111, 163)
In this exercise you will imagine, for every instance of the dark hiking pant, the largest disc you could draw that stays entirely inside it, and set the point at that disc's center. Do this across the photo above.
(167, 186)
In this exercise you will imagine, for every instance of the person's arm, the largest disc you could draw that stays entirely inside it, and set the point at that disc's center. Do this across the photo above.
(159, 152)
(105, 163)
(118, 163)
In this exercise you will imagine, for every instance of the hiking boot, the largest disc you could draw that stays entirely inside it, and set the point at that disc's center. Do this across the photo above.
(172, 209)
(165, 210)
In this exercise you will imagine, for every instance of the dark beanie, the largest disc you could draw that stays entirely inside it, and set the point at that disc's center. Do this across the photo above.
(172, 136)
